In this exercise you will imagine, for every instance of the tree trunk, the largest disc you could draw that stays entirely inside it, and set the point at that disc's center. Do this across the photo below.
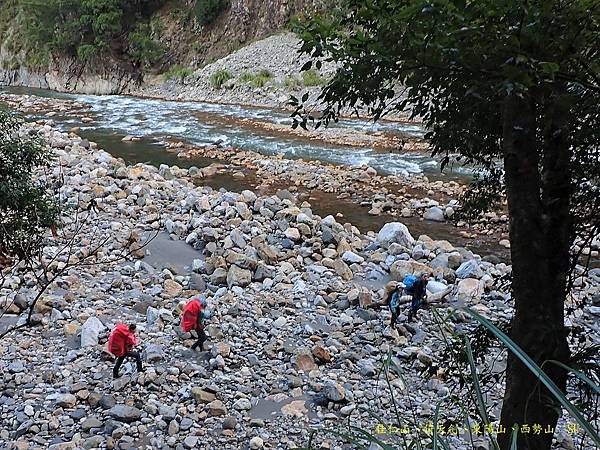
(538, 204)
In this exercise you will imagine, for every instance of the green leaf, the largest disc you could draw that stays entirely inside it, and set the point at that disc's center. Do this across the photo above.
(549, 68)
(538, 372)
(307, 65)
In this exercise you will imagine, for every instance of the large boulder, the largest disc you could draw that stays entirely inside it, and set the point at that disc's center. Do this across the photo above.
(402, 268)
(236, 276)
(469, 290)
(395, 232)
(469, 269)
(90, 332)
(435, 286)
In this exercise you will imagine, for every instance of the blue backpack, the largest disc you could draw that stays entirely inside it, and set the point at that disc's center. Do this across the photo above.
(409, 282)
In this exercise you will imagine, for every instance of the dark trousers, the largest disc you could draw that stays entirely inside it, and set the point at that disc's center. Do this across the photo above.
(120, 359)
(395, 314)
(415, 304)
(201, 338)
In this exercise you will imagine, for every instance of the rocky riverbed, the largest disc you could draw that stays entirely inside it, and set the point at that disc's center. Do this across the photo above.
(378, 194)
(298, 334)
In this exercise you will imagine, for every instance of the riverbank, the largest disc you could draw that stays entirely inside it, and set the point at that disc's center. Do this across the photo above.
(380, 197)
(297, 339)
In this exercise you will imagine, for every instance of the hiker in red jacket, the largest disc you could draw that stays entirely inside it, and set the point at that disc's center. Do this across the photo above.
(193, 314)
(121, 343)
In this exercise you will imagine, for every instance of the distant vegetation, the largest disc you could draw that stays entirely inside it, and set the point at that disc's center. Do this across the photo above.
(83, 29)
(218, 78)
(292, 83)
(178, 73)
(206, 11)
(313, 78)
(88, 30)
(258, 79)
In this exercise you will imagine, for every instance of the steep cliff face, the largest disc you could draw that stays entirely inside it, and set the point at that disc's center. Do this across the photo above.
(67, 75)
(184, 41)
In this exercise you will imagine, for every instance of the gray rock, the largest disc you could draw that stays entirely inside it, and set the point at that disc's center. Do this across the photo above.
(237, 276)
(186, 424)
(154, 353)
(124, 413)
(469, 269)
(351, 257)
(16, 367)
(107, 401)
(151, 315)
(366, 367)
(20, 302)
(190, 442)
(334, 392)
(91, 422)
(229, 423)
(66, 400)
(173, 428)
(439, 262)
(242, 404)
(168, 412)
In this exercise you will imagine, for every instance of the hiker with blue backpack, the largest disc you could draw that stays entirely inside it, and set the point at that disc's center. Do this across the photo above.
(416, 287)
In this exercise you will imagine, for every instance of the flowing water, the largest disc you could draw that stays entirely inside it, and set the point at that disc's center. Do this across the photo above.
(154, 120)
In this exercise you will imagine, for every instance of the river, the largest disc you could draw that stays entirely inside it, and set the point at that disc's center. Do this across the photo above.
(154, 121)
(190, 122)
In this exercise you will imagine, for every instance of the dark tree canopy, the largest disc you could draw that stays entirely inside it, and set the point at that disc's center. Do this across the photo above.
(513, 87)
(457, 62)
(27, 205)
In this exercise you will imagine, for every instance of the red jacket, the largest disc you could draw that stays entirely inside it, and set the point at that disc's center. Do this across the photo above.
(190, 320)
(121, 340)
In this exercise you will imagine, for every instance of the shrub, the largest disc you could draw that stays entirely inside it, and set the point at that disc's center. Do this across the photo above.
(258, 79)
(197, 47)
(206, 11)
(86, 52)
(219, 77)
(28, 205)
(143, 48)
(178, 73)
(292, 83)
(246, 77)
(313, 78)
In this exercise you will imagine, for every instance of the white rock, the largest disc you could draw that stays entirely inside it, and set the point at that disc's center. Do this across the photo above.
(90, 331)
(351, 257)
(395, 232)
(242, 404)
(435, 214)
(280, 322)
